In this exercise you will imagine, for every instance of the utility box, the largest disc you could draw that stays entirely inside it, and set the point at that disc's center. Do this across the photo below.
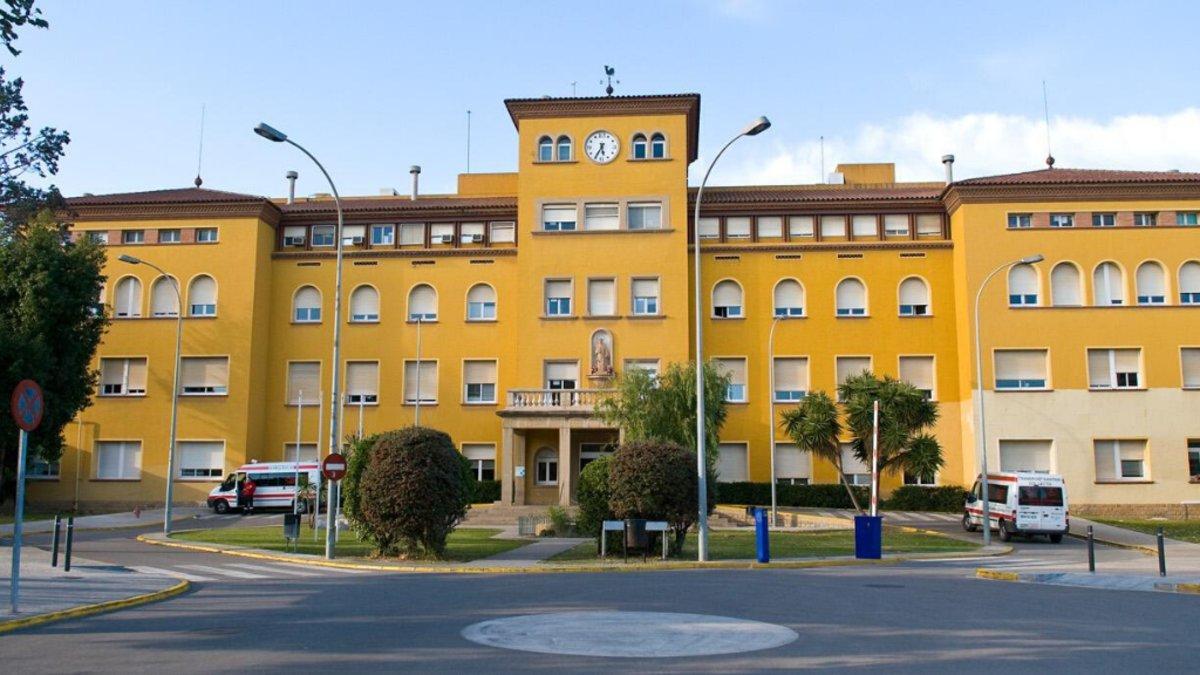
(291, 526)
(868, 537)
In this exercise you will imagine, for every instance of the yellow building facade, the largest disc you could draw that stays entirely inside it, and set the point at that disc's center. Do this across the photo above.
(502, 313)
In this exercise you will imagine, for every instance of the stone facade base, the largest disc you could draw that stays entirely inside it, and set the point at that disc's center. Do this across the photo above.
(1138, 511)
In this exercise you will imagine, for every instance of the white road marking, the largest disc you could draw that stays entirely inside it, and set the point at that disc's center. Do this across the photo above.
(274, 570)
(224, 572)
(343, 570)
(159, 572)
(897, 515)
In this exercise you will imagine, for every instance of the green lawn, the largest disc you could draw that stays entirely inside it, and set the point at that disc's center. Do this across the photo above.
(31, 513)
(1183, 530)
(725, 545)
(461, 546)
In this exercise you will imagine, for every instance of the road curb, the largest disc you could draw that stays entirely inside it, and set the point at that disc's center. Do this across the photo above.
(260, 554)
(1051, 580)
(995, 575)
(98, 608)
(1144, 550)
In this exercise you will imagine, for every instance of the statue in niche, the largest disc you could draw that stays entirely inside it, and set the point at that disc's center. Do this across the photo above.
(602, 354)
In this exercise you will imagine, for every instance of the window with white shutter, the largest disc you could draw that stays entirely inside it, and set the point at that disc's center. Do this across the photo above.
(929, 225)
(769, 227)
(918, 371)
(857, 471)
(308, 452)
(602, 297)
(847, 366)
(127, 298)
(1025, 455)
(295, 235)
(1151, 284)
(863, 226)
(727, 300)
(737, 227)
(1190, 362)
(482, 457)
(791, 379)
(118, 460)
(735, 392)
(559, 218)
(792, 466)
(645, 296)
(1020, 368)
(558, 297)
(789, 298)
(441, 233)
(603, 216)
(364, 305)
(914, 297)
(306, 305)
(733, 464)
(362, 382)
(1022, 286)
(1189, 283)
(895, 225)
(561, 374)
(422, 303)
(303, 383)
(710, 228)
(122, 377)
(420, 382)
(800, 227)
(1114, 368)
(163, 299)
(203, 460)
(851, 297)
(204, 375)
(833, 226)
(502, 232)
(412, 234)
(202, 296)
(481, 303)
(1122, 459)
(471, 233)
(479, 381)
(1108, 285)
(1065, 289)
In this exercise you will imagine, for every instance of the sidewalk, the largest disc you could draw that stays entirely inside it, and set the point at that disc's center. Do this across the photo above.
(531, 554)
(49, 594)
(107, 521)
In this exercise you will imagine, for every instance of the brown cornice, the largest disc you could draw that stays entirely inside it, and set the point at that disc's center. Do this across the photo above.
(260, 209)
(957, 195)
(823, 208)
(838, 246)
(398, 253)
(600, 106)
(385, 214)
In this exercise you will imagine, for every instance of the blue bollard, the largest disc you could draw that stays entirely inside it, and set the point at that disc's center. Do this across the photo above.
(762, 535)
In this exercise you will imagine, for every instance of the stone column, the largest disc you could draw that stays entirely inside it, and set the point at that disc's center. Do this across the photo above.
(509, 467)
(565, 483)
(519, 460)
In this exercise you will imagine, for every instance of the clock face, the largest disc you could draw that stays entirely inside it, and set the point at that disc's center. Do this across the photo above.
(601, 147)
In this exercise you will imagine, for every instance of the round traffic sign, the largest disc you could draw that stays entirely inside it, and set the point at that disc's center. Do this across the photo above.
(27, 405)
(333, 467)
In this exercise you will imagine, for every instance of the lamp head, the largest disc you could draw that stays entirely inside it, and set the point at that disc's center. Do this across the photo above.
(1031, 259)
(269, 132)
(126, 258)
(757, 126)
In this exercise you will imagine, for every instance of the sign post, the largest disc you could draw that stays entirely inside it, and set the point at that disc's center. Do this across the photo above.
(27, 407)
(333, 467)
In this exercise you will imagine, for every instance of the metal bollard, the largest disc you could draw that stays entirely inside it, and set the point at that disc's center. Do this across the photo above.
(1162, 554)
(1091, 544)
(70, 538)
(54, 547)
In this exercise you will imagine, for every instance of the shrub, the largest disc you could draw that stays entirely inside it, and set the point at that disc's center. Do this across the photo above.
(593, 497)
(656, 481)
(415, 489)
(948, 498)
(823, 496)
(358, 455)
(560, 521)
(486, 492)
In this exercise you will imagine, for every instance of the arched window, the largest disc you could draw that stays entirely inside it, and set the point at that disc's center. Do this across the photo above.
(639, 146)
(1022, 286)
(163, 299)
(306, 305)
(789, 298)
(1065, 288)
(1108, 285)
(1151, 284)
(481, 303)
(422, 303)
(727, 300)
(562, 149)
(851, 298)
(547, 467)
(202, 296)
(364, 305)
(658, 146)
(127, 297)
(914, 297)
(545, 149)
(1189, 283)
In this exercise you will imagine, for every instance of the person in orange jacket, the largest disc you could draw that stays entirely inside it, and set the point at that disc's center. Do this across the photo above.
(248, 489)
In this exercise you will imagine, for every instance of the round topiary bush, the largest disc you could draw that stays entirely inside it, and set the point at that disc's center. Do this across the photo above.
(416, 488)
(657, 481)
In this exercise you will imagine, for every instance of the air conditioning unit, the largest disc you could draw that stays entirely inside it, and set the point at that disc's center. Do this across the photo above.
(477, 239)
(446, 238)
(293, 241)
(352, 241)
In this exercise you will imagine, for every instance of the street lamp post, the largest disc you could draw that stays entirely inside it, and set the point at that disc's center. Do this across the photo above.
(753, 129)
(335, 422)
(981, 432)
(126, 258)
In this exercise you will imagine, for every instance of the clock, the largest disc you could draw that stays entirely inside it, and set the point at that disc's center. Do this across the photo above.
(601, 147)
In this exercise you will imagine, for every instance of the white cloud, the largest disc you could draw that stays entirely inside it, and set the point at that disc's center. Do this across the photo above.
(983, 144)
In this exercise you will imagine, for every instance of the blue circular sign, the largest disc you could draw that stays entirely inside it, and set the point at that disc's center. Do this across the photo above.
(27, 405)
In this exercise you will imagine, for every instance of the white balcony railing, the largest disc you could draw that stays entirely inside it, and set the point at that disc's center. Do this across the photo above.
(556, 400)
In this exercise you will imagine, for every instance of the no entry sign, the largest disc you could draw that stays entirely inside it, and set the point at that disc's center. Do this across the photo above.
(27, 405)
(334, 467)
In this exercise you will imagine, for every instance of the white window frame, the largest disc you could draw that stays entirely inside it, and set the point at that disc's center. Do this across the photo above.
(199, 474)
(560, 225)
(1114, 376)
(643, 207)
(125, 446)
(544, 460)
(485, 392)
(206, 235)
(383, 234)
(1118, 469)
(559, 306)
(645, 305)
(125, 391)
(170, 235)
(205, 390)
(363, 398)
(1020, 221)
(1062, 220)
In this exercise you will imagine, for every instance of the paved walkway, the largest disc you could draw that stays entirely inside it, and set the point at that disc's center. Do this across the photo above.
(109, 520)
(528, 556)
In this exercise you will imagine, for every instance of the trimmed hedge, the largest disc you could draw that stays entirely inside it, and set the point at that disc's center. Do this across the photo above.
(486, 492)
(825, 496)
(948, 498)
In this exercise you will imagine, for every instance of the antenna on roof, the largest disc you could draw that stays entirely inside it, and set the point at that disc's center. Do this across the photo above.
(573, 83)
(1046, 111)
(609, 71)
(823, 159)
(468, 141)
(200, 155)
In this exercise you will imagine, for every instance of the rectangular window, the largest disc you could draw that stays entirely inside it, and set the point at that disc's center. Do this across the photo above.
(1190, 361)
(362, 382)
(1062, 220)
(303, 383)
(1194, 459)
(204, 375)
(918, 371)
(645, 297)
(503, 233)
(857, 471)
(1104, 220)
(559, 218)
(133, 236)
(800, 227)
(479, 380)
(295, 235)
(1020, 221)
(354, 235)
(847, 366)
(420, 382)
(39, 469)
(602, 297)
(1114, 368)
(863, 226)
(1120, 460)
(792, 467)
(791, 379)
(322, 235)
(383, 235)
(710, 228)
(1187, 218)
(605, 216)
(1145, 219)
(98, 237)
(482, 457)
(206, 235)
(737, 228)
(833, 226)
(735, 392)
(123, 377)
(412, 234)
(119, 460)
(645, 216)
(770, 227)
(1020, 368)
(201, 459)
(561, 374)
(895, 225)
(1025, 455)
(471, 233)
(172, 236)
(732, 463)
(649, 366)
(929, 225)
(558, 297)
(308, 452)
(441, 233)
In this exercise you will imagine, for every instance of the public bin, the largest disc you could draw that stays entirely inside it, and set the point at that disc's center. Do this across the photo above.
(868, 537)
(762, 535)
(636, 536)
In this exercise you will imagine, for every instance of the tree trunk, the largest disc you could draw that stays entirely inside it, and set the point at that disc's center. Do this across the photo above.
(846, 483)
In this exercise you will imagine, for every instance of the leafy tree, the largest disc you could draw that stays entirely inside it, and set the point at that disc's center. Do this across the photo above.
(358, 456)
(18, 13)
(906, 418)
(50, 326)
(593, 497)
(815, 427)
(655, 480)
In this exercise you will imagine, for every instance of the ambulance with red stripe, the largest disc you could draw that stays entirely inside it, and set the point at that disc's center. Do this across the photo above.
(1020, 503)
(275, 485)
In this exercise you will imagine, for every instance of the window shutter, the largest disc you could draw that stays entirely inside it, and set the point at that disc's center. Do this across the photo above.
(137, 375)
(791, 374)
(558, 288)
(1108, 284)
(307, 297)
(727, 294)
(735, 368)
(789, 294)
(479, 372)
(203, 291)
(737, 228)
(1191, 366)
(481, 293)
(645, 288)
(800, 226)
(304, 378)
(1025, 455)
(917, 371)
(851, 294)
(1021, 364)
(412, 234)
(163, 300)
(833, 226)
(914, 292)
(1150, 280)
(364, 301)
(351, 231)
(929, 224)
(790, 462)
(1105, 454)
(895, 224)
(851, 365)
(1127, 360)
(601, 295)
(562, 370)
(479, 451)
(850, 462)
(202, 455)
(601, 217)
(864, 226)
(559, 214)
(731, 463)
(131, 459)
(1064, 285)
(770, 226)
(439, 230)
(112, 371)
(429, 380)
(294, 231)
(1098, 368)
(1022, 280)
(422, 300)
(503, 233)
(128, 297)
(1189, 278)
(709, 228)
(362, 378)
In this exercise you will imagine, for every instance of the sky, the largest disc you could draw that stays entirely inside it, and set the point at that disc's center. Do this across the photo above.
(374, 87)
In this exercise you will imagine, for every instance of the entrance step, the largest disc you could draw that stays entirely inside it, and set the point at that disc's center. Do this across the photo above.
(506, 514)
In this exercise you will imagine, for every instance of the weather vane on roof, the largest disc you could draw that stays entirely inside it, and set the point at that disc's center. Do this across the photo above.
(609, 71)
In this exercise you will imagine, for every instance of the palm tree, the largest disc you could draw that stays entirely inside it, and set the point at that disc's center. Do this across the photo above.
(906, 416)
(815, 427)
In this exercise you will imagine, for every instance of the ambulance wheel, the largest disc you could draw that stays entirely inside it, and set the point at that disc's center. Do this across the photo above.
(967, 524)
(1005, 533)
(1056, 539)
(221, 506)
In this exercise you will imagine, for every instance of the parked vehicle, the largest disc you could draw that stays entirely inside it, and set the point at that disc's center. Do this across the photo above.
(1021, 502)
(276, 483)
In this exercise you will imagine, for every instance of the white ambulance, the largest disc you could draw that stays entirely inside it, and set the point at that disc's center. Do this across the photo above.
(1021, 502)
(275, 485)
